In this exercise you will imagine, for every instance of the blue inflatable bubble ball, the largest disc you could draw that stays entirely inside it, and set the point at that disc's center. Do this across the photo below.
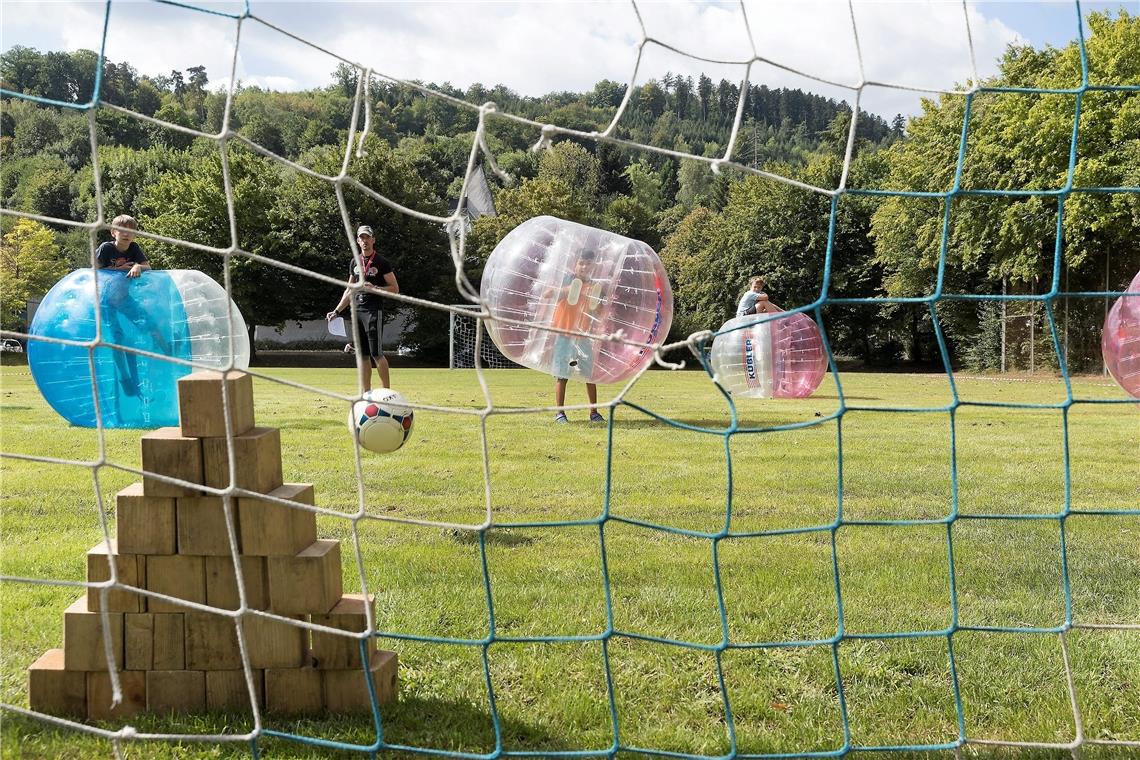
(181, 314)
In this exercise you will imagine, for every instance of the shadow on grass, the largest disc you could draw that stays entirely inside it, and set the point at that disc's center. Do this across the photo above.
(441, 725)
(435, 724)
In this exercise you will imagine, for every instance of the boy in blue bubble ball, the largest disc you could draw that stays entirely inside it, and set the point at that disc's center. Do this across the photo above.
(123, 254)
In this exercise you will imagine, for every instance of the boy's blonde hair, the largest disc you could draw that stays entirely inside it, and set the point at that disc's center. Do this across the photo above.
(755, 280)
(125, 220)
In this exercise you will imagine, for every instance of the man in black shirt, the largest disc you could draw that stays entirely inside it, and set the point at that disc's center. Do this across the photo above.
(377, 272)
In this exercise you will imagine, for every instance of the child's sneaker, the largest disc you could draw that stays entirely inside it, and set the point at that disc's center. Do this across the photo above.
(595, 417)
(560, 418)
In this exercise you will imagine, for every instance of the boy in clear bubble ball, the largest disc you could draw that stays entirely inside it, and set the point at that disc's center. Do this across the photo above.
(576, 302)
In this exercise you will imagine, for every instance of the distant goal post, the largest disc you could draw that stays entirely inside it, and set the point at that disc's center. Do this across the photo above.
(462, 333)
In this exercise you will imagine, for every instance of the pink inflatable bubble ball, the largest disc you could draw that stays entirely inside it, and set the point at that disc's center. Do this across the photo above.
(1120, 341)
(550, 273)
(781, 358)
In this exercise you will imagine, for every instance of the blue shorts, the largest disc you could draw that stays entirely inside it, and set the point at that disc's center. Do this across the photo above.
(572, 355)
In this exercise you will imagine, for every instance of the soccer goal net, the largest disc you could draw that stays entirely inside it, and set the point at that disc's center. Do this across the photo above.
(466, 341)
(936, 562)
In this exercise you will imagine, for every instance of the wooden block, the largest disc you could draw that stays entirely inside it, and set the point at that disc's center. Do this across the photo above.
(178, 575)
(211, 642)
(144, 524)
(202, 526)
(293, 690)
(154, 641)
(227, 690)
(274, 644)
(133, 686)
(138, 641)
(333, 652)
(269, 528)
(201, 411)
(257, 454)
(175, 691)
(308, 583)
(56, 691)
(169, 641)
(167, 452)
(347, 691)
(131, 569)
(83, 638)
(221, 583)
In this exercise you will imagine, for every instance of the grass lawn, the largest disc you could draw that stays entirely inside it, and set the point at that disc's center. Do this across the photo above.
(689, 569)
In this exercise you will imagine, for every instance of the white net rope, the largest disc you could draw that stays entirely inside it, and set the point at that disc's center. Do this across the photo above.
(456, 228)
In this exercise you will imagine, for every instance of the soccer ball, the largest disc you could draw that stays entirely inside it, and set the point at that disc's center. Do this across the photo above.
(381, 421)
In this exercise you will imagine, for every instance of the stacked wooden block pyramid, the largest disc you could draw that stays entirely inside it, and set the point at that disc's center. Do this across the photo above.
(173, 540)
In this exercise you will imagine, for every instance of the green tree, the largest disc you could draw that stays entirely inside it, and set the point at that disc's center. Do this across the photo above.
(698, 272)
(32, 264)
(645, 184)
(652, 98)
(39, 185)
(1017, 142)
(127, 174)
(705, 94)
(696, 179)
(606, 94)
(172, 138)
(533, 197)
(574, 166)
(192, 207)
(628, 217)
(147, 97)
(307, 230)
(36, 129)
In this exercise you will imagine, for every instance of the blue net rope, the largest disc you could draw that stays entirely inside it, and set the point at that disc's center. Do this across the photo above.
(606, 521)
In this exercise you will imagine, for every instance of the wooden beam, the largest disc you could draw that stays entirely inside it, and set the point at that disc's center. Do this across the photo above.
(257, 457)
(333, 652)
(201, 411)
(55, 690)
(308, 583)
(167, 452)
(347, 691)
(272, 529)
(144, 524)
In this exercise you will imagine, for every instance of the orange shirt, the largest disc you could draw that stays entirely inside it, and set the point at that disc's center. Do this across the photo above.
(568, 316)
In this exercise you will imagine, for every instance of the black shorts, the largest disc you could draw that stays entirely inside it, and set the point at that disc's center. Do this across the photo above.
(369, 331)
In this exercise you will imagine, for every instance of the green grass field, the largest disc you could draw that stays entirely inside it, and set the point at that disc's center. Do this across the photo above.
(778, 586)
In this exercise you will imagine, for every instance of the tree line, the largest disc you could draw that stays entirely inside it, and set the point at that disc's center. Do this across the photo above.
(713, 231)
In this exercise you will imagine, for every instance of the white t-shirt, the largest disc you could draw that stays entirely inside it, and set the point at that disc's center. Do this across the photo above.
(748, 303)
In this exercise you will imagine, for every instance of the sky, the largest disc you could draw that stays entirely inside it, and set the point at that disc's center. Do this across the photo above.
(540, 47)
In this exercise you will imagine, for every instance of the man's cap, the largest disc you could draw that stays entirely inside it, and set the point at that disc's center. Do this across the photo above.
(364, 229)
